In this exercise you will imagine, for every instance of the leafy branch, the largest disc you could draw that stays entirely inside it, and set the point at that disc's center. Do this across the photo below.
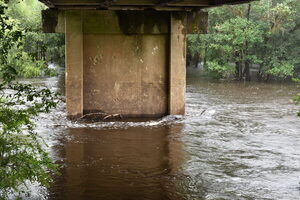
(23, 159)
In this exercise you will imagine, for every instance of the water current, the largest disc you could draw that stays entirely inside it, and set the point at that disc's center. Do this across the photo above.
(237, 141)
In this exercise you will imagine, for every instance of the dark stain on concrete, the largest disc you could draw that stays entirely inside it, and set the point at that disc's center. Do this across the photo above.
(50, 20)
(132, 22)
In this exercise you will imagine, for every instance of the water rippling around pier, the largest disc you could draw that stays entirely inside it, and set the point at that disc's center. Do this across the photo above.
(237, 141)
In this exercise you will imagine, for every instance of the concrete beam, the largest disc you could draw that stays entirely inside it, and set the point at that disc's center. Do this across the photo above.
(53, 21)
(125, 22)
(97, 3)
(166, 2)
(74, 63)
(177, 84)
(167, 5)
(197, 22)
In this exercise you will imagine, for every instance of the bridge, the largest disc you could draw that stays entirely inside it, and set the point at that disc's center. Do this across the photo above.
(126, 57)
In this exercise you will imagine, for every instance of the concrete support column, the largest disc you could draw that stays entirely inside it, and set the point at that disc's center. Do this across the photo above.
(177, 64)
(74, 63)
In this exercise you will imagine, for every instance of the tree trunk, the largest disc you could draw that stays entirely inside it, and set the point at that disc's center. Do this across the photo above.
(246, 72)
(248, 11)
(238, 70)
(205, 57)
(196, 60)
(188, 59)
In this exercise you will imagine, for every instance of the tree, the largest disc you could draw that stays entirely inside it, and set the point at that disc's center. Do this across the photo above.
(263, 33)
(35, 48)
(22, 155)
(233, 41)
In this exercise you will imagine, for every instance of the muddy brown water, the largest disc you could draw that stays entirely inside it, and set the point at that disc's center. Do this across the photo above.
(237, 141)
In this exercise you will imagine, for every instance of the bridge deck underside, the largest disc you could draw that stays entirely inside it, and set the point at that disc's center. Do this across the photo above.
(168, 5)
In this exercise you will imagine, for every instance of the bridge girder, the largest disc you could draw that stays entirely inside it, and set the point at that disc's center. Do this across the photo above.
(163, 5)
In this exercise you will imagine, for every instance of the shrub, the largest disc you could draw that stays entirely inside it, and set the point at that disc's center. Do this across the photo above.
(282, 70)
(217, 71)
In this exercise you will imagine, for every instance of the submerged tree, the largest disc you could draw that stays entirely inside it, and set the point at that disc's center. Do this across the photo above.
(263, 33)
(22, 156)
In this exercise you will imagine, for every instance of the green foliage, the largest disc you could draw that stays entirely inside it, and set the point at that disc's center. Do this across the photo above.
(22, 156)
(217, 71)
(297, 80)
(34, 49)
(50, 72)
(236, 32)
(28, 13)
(296, 99)
(265, 33)
(24, 64)
(15, 57)
(282, 70)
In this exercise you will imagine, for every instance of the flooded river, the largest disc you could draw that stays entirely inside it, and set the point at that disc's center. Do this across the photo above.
(237, 141)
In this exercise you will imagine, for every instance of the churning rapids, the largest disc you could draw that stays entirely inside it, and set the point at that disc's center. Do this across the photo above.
(237, 141)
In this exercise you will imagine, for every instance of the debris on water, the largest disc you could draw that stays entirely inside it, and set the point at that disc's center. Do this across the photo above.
(172, 117)
(203, 112)
(99, 116)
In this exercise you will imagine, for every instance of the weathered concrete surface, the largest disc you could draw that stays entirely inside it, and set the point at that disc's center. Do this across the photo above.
(74, 63)
(53, 21)
(125, 74)
(135, 69)
(125, 68)
(124, 22)
(124, 59)
(197, 22)
(177, 68)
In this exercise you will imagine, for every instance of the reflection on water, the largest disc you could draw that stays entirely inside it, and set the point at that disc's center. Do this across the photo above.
(135, 163)
(237, 141)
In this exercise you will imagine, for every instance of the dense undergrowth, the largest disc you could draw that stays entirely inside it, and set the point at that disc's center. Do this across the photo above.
(34, 51)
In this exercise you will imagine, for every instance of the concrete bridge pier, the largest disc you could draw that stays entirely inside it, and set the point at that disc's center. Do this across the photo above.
(126, 57)
(129, 63)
